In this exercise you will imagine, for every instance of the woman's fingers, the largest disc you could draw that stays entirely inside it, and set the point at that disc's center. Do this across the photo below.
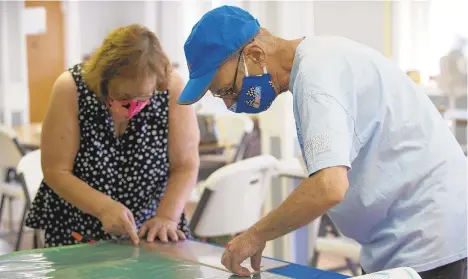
(115, 229)
(181, 234)
(143, 230)
(153, 232)
(131, 218)
(172, 235)
(130, 227)
(155, 227)
(163, 235)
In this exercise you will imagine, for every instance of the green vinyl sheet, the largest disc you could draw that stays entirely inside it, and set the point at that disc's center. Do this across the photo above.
(106, 261)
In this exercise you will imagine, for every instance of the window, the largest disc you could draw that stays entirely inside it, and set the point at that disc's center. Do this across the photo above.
(447, 23)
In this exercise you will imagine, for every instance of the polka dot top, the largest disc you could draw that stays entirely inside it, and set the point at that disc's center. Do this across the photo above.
(132, 169)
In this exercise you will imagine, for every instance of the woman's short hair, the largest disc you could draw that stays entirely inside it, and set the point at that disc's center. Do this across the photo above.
(130, 52)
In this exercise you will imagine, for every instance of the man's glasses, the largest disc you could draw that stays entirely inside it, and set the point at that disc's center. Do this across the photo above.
(229, 93)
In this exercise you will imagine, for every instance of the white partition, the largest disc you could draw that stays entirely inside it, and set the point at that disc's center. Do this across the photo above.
(14, 99)
(277, 124)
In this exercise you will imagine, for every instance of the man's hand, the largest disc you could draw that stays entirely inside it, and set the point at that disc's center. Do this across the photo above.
(161, 227)
(118, 220)
(247, 245)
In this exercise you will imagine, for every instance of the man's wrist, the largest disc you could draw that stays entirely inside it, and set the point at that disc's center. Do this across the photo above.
(258, 232)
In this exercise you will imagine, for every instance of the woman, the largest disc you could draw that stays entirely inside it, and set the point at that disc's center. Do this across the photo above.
(112, 139)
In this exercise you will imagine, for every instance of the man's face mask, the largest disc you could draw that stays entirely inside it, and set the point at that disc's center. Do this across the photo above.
(126, 109)
(257, 93)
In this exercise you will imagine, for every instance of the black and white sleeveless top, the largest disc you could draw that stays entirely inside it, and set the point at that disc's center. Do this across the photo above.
(132, 169)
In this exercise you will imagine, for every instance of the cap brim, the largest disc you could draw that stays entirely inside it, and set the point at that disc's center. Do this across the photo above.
(195, 89)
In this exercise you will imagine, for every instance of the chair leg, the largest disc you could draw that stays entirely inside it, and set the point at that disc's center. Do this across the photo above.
(314, 261)
(21, 229)
(36, 239)
(352, 267)
(2, 202)
(10, 212)
(7, 176)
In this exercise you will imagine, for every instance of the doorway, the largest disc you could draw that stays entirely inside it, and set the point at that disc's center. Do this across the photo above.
(46, 61)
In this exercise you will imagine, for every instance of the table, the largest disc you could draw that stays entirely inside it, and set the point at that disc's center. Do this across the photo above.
(29, 135)
(113, 259)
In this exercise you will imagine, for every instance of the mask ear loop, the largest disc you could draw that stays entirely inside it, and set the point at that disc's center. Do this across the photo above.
(245, 65)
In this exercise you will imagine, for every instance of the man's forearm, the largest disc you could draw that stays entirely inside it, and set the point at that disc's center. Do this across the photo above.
(179, 188)
(307, 202)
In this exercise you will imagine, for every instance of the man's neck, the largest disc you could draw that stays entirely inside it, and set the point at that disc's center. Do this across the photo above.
(285, 54)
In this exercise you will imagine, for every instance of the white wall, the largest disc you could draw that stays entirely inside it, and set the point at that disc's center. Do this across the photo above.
(289, 20)
(447, 20)
(14, 103)
(362, 21)
(411, 33)
(87, 23)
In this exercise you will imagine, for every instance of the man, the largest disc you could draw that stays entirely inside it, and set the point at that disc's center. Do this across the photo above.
(382, 162)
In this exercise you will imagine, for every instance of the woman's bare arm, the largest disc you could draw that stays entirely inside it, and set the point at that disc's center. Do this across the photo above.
(59, 145)
(184, 138)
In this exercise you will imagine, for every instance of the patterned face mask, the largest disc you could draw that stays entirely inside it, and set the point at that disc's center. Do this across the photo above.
(126, 109)
(257, 93)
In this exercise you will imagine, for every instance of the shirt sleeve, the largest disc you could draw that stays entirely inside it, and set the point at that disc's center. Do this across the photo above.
(325, 131)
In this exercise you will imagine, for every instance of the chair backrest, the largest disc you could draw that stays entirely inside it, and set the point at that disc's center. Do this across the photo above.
(10, 150)
(233, 130)
(206, 124)
(29, 168)
(233, 197)
(293, 167)
(303, 165)
(232, 127)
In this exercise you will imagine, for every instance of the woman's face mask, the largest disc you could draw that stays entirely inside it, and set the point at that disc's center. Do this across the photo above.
(131, 103)
(257, 93)
(126, 109)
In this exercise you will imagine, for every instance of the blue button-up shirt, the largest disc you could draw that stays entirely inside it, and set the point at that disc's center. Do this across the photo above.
(407, 200)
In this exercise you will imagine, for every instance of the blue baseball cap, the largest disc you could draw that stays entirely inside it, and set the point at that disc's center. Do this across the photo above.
(213, 40)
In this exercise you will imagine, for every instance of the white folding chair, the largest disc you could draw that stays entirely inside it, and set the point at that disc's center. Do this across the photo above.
(233, 197)
(30, 175)
(11, 153)
(338, 245)
(232, 131)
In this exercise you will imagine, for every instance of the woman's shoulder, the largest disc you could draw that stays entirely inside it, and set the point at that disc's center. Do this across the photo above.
(76, 72)
(65, 83)
(176, 85)
(174, 88)
(63, 99)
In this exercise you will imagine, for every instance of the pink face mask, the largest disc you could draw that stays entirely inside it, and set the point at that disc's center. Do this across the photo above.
(126, 109)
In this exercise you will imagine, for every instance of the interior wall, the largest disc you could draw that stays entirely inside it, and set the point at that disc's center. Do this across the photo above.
(362, 21)
(14, 99)
(98, 18)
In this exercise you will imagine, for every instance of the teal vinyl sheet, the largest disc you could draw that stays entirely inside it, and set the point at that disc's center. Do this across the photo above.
(107, 260)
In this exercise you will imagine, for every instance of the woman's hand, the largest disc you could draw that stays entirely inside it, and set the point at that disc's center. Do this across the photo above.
(118, 220)
(161, 227)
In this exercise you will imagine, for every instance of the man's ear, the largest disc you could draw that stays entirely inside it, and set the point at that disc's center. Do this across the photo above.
(256, 53)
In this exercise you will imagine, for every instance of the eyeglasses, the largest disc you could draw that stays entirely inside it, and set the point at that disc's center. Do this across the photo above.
(229, 93)
(127, 97)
